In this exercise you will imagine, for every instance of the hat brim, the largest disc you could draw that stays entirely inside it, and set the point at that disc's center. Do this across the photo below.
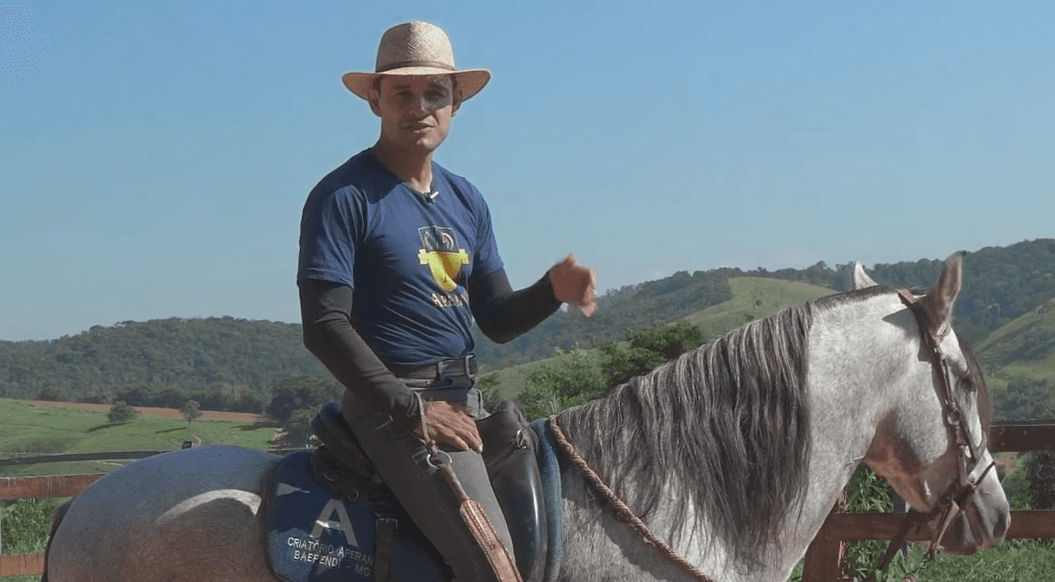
(470, 81)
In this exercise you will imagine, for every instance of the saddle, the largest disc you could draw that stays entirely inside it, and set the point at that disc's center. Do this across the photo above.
(341, 467)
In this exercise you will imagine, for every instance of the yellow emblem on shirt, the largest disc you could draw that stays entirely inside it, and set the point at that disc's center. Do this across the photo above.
(439, 250)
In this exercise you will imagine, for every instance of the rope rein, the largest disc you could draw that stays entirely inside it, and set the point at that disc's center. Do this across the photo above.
(621, 509)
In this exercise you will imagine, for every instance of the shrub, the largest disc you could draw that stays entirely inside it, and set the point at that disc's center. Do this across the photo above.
(52, 394)
(575, 379)
(26, 524)
(191, 410)
(1016, 488)
(121, 412)
(302, 392)
(490, 390)
(298, 427)
(1040, 471)
(867, 493)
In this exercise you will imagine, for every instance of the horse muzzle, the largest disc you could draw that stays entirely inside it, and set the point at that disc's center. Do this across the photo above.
(980, 523)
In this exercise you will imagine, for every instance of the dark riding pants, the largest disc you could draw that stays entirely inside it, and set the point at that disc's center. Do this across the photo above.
(402, 461)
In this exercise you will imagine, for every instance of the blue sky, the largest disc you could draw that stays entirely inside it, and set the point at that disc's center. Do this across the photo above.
(154, 159)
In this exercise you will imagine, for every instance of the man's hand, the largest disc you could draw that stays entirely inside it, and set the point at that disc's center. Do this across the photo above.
(575, 284)
(450, 425)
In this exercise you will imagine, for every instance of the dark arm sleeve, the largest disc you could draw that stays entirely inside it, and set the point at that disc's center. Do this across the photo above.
(502, 313)
(328, 334)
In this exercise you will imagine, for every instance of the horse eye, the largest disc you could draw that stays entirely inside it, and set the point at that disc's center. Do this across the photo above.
(967, 383)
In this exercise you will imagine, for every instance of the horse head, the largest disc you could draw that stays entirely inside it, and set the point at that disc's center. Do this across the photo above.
(931, 445)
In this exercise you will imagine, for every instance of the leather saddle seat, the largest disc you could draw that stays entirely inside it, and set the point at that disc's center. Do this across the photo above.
(510, 452)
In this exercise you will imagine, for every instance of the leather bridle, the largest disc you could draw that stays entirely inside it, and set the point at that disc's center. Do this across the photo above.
(969, 468)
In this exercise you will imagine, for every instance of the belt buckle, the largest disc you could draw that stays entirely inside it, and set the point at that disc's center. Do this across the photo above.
(452, 365)
(441, 370)
(467, 361)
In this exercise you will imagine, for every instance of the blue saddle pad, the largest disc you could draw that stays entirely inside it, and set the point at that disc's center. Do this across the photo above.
(550, 466)
(313, 536)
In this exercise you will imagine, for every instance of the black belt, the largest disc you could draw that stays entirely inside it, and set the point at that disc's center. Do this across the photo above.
(451, 368)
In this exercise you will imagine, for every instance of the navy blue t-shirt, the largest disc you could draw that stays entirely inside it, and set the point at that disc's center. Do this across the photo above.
(408, 260)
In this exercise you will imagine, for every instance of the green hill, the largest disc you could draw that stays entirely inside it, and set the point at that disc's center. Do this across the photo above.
(1000, 284)
(216, 354)
(1019, 362)
(752, 298)
(1020, 354)
(232, 364)
(1023, 348)
(631, 307)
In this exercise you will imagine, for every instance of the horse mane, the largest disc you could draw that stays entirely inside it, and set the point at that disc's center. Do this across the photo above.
(977, 379)
(722, 433)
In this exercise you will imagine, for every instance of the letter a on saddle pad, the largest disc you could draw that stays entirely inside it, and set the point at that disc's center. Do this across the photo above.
(315, 537)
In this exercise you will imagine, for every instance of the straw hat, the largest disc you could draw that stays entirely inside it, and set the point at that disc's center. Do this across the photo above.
(417, 48)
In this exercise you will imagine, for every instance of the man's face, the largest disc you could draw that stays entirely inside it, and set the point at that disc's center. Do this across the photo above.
(415, 111)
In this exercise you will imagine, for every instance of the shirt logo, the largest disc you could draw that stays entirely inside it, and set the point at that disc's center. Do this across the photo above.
(439, 250)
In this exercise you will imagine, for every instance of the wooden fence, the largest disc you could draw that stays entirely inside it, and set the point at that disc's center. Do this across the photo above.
(824, 558)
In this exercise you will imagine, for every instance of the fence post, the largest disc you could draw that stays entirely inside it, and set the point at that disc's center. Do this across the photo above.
(825, 559)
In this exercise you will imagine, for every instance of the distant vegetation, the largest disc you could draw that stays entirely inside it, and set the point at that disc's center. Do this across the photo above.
(1000, 285)
(223, 363)
(1006, 310)
(121, 412)
(630, 307)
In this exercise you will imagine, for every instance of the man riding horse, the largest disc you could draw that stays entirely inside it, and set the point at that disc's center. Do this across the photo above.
(397, 259)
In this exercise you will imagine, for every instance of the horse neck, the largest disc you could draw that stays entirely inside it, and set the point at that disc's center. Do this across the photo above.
(858, 349)
(671, 444)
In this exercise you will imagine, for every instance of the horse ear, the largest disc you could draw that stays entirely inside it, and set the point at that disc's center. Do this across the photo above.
(942, 297)
(861, 280)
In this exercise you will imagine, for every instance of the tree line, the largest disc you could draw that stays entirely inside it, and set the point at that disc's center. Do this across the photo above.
(222, 362)
(1000, 284)
(232, 364)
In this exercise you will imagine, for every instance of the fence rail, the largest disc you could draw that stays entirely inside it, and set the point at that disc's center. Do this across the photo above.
(21, 565)
(824, 558)
(115, 456)
(48, 486)
(859, 527)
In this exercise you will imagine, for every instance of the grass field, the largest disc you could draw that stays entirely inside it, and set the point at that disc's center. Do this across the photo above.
(1011, 561)
(1019, 349)
(41, 429)
(27, 428)
(753, 298)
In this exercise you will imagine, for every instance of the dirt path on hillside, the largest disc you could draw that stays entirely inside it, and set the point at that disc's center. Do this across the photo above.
(153, 412)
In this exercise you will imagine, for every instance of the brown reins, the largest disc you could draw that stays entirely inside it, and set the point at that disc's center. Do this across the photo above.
(620, 506)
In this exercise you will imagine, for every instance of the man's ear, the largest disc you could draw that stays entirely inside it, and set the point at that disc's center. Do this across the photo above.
(374, 98)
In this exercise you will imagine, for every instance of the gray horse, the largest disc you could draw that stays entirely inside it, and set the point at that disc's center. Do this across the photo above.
(733, 454)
